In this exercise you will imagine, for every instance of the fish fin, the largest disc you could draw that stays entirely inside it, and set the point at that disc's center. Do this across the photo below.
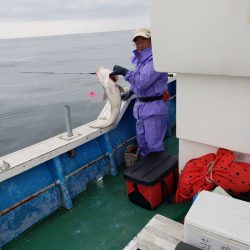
(96, 124)
(99, 124)
(104, 97)
(97, 74)
(122, 90)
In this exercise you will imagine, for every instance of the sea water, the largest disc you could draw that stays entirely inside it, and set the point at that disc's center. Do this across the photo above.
(32, 104)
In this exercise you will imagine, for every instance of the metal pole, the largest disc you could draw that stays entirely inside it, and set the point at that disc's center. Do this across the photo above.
(68, 121)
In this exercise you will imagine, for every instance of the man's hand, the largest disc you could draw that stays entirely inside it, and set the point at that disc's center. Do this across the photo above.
(126, 95)
(118, 70)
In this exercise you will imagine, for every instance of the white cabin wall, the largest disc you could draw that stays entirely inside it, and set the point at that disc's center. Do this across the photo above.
(201, 36)
(207, 42)
(214, 110)
(189, 150)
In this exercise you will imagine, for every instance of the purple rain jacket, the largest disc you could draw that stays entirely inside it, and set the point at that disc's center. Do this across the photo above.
(146, 82)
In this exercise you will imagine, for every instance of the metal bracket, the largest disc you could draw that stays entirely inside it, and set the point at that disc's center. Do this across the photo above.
(68, 138)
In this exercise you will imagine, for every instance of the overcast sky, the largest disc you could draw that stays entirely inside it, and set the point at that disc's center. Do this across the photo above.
(24, 18)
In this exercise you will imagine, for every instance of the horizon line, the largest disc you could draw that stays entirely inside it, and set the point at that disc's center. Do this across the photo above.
(40, 36)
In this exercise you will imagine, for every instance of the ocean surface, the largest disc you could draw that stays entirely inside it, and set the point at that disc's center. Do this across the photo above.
(32, 104)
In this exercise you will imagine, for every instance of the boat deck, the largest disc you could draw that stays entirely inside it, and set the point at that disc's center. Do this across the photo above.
(102, 218)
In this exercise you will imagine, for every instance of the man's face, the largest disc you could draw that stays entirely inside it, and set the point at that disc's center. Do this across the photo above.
(142, 43)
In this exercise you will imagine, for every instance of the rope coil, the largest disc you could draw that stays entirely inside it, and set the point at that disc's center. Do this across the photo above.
(210, 167)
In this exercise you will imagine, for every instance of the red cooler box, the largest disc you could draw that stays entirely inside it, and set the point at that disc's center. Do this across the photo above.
(152, 179)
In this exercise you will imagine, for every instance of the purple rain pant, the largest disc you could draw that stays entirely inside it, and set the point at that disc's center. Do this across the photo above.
(150, 133)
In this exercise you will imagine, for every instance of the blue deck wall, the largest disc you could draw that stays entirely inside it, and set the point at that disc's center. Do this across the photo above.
(47, 174)
(56, 182)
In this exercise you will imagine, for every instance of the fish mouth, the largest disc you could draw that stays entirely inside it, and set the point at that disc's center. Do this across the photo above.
(113, 78)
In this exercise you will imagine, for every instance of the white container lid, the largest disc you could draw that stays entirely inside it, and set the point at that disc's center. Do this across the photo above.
(224, 216)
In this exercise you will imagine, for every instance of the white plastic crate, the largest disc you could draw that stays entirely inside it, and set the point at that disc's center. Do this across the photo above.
(218, 222)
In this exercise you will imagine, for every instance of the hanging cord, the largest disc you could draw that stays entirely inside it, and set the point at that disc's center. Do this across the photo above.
(92, 94)
(86, 111)
(210, 167)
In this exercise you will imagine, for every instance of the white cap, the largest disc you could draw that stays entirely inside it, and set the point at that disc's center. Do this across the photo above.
(144, 32)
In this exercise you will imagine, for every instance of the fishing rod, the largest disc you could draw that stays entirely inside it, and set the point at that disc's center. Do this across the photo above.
(69, 73)
(57, 73)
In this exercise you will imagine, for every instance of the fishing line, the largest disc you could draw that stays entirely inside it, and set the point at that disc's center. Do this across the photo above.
(57, 73)
(86, 109)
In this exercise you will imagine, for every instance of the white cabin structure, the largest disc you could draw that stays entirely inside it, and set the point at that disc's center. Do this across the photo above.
(207, 43)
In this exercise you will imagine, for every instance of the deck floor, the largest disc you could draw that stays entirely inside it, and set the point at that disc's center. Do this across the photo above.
(102, 218)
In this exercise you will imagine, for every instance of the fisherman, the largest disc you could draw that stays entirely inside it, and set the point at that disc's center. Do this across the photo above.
(150, 87)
